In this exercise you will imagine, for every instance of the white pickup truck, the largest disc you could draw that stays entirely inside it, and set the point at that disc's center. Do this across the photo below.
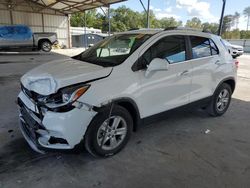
(21, 36)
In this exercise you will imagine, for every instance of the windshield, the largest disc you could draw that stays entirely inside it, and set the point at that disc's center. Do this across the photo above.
(113, 50)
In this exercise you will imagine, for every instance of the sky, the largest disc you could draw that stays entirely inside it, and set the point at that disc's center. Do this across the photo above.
(205, 10)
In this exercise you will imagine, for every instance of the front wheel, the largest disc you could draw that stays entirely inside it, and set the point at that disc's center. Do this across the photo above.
(45, 46)
(220, 100)
(108, 134)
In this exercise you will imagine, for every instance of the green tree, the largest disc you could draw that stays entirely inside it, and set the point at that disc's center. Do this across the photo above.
(154, 23)
(236, 19)
(246, 12)
(212, 27)
(227, 23)
(194, 23)
(169, 22)
(123, 19)
(235, 34)
(245, 34)
(93, 19)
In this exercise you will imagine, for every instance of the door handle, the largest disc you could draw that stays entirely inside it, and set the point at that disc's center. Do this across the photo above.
(185, 72)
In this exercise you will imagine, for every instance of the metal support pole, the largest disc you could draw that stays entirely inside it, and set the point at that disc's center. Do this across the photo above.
(69, 34)
(11, 17)
(148, 12)
(109, 19)
(43, 22)
(221, 18)
(85, 31)
(248, 21)
(143, 6)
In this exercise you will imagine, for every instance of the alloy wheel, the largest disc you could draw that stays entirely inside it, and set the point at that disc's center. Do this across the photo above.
(112, 133)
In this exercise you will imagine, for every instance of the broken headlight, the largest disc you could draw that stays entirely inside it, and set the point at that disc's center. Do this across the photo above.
(65, 96)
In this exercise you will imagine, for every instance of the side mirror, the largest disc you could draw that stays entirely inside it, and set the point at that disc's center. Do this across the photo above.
(157, 64)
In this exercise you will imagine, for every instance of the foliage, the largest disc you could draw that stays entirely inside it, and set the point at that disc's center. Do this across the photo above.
(194, 23)
(212, 27)
(124, 18)
(246, 12)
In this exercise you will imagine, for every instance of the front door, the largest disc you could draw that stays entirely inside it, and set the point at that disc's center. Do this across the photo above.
(165, 89)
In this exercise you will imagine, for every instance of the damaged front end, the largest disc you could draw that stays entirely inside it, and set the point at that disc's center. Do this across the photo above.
(56, 121)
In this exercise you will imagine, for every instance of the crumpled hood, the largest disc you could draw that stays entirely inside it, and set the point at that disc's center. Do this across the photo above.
(46, 79)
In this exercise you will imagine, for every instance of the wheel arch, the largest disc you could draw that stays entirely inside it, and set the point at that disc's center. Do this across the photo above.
(132, 108)
(127, 103)
(230, 81)
(42, 40)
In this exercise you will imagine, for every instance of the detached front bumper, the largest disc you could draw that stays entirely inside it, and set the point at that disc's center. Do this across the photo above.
(52, 130)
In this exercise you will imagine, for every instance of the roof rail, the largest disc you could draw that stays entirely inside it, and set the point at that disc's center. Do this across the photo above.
(170, 28)
(132, 29)
(188, 29)
(207, 31)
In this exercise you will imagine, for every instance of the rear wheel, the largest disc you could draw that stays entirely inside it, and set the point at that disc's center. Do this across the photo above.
(220, 100)
(45, 46)
(106, 135)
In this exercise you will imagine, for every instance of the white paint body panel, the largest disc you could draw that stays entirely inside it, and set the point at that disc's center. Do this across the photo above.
(158, 92)
(48, 78)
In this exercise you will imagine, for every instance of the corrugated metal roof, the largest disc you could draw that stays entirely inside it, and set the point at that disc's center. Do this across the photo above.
(71, 6)
(60, 6)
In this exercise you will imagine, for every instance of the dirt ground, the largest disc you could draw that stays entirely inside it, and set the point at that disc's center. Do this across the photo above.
(174, 152)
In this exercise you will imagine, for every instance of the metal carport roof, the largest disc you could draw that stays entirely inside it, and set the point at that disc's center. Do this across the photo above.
(64, 6)
(61, 6)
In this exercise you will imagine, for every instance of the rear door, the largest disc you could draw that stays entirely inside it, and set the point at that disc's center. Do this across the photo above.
(205, 57)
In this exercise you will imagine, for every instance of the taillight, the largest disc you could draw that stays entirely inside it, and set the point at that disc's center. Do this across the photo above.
(236, 64)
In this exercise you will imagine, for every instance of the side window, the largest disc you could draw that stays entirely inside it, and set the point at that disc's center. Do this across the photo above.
(200, 47)
(214, 49)
(171, 48)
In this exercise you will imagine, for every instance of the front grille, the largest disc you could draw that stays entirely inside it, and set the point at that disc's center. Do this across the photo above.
(28, 119)
(22, 105)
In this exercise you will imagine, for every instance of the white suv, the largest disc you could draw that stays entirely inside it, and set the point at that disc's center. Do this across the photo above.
(234, 50)
(100, 96)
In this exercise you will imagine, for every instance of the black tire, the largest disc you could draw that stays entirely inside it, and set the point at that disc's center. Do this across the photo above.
(91, 135)
(45, 46)
(212, 108)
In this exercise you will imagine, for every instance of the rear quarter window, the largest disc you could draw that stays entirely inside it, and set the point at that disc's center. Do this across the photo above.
(214, 48)
(200, 47)
(203, 47)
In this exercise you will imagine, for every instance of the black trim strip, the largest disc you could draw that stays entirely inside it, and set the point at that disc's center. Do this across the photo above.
(163, 115)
